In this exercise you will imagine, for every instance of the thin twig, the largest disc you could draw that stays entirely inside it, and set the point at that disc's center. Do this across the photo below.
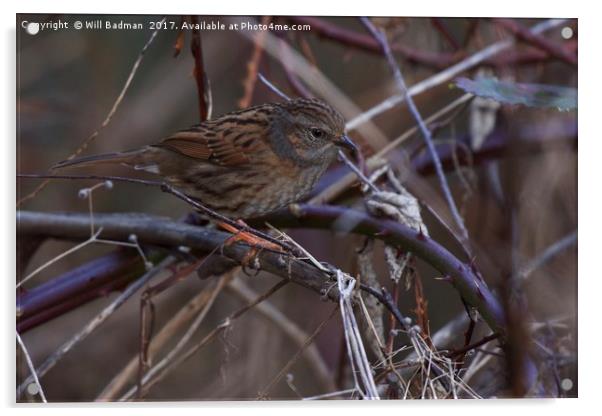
(200, 76)
(31, 367)
(272, 87)
(474, 345)
(109, 116)
(382, 39)
(253, 66)
(335, 189)
(99, 319)
(548, 254)
(442, 28)
(171, 190)
(165, 232)
(166, 334)
(361, 41)
(148, 382)
(178, 348)
(355, 346)
(147, 312)
(448, 74)
(290, 329)
(537, 40)
(266, 390)
(94, 236)
(59, 257)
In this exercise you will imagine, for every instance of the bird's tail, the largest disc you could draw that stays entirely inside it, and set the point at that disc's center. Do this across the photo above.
(131, 158)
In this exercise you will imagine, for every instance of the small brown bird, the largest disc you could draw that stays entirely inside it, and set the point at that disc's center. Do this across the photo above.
(246, 163)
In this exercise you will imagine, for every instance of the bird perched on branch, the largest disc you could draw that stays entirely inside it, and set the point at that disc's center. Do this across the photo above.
(246, 163)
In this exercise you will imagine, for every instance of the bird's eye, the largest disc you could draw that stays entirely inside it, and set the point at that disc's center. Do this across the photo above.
(317, 133)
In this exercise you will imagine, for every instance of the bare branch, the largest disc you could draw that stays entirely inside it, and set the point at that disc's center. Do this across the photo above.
(253, 66)
(99, 319)
(149, 381)
(548, 254)
(311, 352)
(166, 361)
(382, 39)
(165, 232)
(307, 342)
(200, 76)
(107, 119)
(448, 74)
(166, 334)
(537, 40)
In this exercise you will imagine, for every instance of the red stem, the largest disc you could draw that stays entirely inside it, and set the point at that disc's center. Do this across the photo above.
(196, 48)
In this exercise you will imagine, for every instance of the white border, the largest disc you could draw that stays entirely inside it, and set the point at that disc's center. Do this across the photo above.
(589, 207)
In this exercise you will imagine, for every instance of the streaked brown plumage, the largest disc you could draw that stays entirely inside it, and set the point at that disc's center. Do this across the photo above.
(246, 163)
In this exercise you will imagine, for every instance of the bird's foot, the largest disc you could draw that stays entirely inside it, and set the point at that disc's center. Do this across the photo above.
(255, 242)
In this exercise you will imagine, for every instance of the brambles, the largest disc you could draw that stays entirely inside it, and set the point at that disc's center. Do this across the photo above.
(430, 279)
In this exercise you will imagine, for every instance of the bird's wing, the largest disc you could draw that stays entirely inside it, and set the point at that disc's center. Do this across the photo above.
(223, 147)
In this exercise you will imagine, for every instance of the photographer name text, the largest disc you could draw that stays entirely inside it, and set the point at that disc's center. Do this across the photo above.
(211, 25)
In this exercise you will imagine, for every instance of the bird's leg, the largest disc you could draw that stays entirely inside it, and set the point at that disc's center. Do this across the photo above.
(252, 240)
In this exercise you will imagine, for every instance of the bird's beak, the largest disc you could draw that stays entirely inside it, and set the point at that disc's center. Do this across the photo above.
(346, 142)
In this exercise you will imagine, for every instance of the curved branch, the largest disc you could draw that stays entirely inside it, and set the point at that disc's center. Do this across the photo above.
(347, 37)
(537, 40)
(105, 274)
(163, 231)
(166, 232)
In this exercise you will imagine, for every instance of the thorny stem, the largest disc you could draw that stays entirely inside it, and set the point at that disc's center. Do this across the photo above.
(164, 232)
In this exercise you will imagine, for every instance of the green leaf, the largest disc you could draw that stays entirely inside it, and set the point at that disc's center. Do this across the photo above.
(532, 95)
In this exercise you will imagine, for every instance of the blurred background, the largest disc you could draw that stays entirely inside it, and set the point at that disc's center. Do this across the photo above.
(517, 197)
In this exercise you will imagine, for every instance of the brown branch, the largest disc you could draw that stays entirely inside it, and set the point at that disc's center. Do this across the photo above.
(168, 233)
(536, 40)
(297, 85)
(226, 323)
(421, 309)
(165, 232)
(442, 28)
(165, 335)
(111, 272)
(98, 320)
(200, 76)
(325, 29)
(483, 341)
(179, 43)
(253, 66)
(147, 315)
(165, 187)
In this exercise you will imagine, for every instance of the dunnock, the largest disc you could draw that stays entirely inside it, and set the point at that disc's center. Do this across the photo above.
(246, 163)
